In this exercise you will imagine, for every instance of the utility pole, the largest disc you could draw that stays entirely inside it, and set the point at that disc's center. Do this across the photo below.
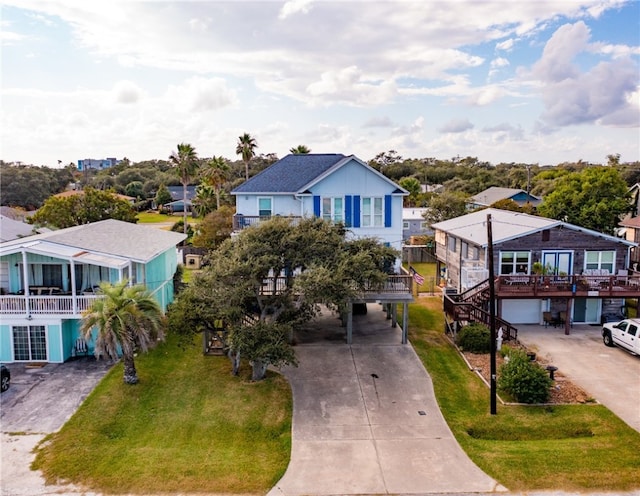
(492, 315)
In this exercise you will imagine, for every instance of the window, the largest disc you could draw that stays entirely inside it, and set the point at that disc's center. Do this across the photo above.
(424, 225)
(52, 275)
(264, 207)
(632, 331)
(333, 209)
(514, 262)
(372, 212)
(405, 224)
(29, 343)
(452, 243)
(600, 260)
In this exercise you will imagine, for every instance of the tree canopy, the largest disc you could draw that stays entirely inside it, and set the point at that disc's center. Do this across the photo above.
(315, 264)
(89, 205)
(246, 148)
(185, 161)
(595, 198)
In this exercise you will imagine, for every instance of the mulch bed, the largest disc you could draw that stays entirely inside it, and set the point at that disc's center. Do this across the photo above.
(563, 392)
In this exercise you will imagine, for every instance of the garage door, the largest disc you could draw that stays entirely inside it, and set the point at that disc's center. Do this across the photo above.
(521, 311)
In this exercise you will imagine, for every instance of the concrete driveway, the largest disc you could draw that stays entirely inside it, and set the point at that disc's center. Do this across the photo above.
(39, 402)
(366, 420)
(610, 375)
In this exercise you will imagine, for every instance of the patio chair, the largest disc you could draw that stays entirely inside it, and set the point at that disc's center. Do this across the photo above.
(548, 319)
(562, 318)
(80, 347)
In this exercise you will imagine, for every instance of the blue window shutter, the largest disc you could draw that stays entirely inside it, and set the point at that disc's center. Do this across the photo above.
(356, 210)
(316, 206)
(387, 211)
(348, 202)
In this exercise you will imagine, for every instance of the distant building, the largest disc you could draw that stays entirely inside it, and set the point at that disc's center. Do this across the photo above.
(414, 223)
(97, 164)
(491, 195)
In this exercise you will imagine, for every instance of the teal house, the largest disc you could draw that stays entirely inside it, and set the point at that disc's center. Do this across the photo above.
(48, 280)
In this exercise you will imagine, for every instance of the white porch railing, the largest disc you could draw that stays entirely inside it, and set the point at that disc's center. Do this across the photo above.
(45, 305)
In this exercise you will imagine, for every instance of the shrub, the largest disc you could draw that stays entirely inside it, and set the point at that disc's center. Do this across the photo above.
(475, 338)
(524, 379)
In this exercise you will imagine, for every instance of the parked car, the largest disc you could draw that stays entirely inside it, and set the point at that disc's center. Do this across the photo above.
(6, 378)
(625, 334)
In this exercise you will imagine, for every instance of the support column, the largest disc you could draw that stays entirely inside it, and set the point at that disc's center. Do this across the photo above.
(350, 323)
(567, 322)
(405, 323)
(394, 315)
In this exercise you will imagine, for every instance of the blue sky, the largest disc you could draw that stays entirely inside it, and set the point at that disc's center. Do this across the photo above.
(536, 82)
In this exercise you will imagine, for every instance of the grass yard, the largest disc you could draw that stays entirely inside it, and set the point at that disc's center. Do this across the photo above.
(188, 426)
(569, 448)
(148, 217)
(428, 271)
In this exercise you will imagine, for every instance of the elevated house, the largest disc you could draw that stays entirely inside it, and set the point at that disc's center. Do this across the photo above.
(338, 188)
(494, 194)
(48, 280)
(545, 270)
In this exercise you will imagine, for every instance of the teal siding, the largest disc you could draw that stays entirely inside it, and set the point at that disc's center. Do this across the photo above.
(6, 353)
(159, 277)
(55, 344)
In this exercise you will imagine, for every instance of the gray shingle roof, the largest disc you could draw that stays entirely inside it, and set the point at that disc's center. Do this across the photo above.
(290, 174)
(493, 194)
(113, 237)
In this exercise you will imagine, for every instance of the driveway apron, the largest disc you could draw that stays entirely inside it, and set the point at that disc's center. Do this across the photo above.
(366, 420)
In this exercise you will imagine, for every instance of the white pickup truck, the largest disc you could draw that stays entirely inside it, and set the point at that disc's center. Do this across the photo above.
(625, 334)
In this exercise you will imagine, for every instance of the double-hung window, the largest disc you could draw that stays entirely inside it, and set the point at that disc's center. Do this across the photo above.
(373, 212)
(603, 260)
(333, 209)
(265, 207)
(514, 262)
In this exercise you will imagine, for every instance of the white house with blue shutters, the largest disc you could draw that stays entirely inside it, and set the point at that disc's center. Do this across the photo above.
(333, 186)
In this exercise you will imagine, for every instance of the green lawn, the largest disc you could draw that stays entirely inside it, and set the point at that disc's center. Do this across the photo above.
(570, 448)
(188, 426)
(155, 217)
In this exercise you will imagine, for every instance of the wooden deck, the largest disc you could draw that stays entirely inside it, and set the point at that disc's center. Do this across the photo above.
(578, 286)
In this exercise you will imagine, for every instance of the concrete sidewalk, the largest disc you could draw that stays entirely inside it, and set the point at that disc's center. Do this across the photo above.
(366, 420)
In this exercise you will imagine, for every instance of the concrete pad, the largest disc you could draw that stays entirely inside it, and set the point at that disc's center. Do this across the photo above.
(598, 369)
(357, 423)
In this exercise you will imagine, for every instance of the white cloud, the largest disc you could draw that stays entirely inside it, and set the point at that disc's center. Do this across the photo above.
(596, 95)
(127, 92)
(198, 94)
(293, 7)
(456, 126)
(506, 45)
(378, 122)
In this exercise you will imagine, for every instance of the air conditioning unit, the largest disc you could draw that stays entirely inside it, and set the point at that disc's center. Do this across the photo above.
(193, 261)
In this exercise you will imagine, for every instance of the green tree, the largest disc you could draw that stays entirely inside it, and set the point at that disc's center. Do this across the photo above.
(317, 265)
(185, 161)
(216, 174)
(300, 150)
(135, 189)
(90, 205)
(216, 227)
(595, 198)
(412, 185)
(246, 148)
(127, 319)
(162, 196)
(444, 206)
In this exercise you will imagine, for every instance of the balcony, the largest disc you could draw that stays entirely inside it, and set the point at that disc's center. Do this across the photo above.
(581, 286)
(69, 305)
(241, 222)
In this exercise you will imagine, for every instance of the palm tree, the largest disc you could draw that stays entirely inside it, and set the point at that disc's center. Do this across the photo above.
(300, 150)
(215, 175)
(185, 160)
(246, 147)
(127, 319)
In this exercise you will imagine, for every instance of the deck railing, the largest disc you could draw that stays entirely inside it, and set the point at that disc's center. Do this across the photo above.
(610, 286)
(45, 305)
(394, 284)
(243, 221)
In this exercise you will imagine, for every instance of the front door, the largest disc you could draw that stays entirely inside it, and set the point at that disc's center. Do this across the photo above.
(559, 262)
(586, 310)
